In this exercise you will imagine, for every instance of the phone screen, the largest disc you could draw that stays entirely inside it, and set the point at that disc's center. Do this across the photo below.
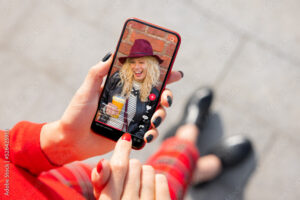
(131, 94)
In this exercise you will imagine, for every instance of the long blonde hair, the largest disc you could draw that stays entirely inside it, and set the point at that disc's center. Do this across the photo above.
(151, 79)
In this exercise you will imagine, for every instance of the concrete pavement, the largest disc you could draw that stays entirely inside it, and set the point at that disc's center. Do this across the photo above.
(245, 50)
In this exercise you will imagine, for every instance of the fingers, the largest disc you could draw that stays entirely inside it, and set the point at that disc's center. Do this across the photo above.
(175, 76)
(100, 176)
(166, 98)
(119, 166)
(148, 183)
(161, 187)
(151, 135)
(121, 152)
(132, 182)
(158, 116)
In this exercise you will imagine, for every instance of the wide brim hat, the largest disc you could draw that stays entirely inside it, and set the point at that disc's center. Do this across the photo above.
(140, 48)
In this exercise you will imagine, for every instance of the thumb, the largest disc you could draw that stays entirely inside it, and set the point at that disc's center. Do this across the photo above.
(100, 176)
(95, 76)
(81, 109)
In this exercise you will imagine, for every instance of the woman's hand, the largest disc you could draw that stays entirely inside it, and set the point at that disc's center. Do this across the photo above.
(126, 179)
(71, 137)
(111, 109)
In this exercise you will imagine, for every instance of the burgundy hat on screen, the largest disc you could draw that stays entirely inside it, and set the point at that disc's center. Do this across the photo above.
(140, 48)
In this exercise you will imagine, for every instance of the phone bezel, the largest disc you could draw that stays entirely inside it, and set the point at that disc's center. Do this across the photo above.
(111, 132)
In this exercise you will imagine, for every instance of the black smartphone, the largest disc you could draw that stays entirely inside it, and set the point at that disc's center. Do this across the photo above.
(141, 66)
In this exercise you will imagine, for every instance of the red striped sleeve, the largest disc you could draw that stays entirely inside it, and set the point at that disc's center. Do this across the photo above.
(176, 159)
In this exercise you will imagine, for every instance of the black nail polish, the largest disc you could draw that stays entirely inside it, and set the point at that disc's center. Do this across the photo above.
(182, 74)
(170, 101)
(106, 57)
(157, 122)
(149, 138)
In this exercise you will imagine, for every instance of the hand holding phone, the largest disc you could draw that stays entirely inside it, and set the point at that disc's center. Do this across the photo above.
(70, 138)
(141, 66)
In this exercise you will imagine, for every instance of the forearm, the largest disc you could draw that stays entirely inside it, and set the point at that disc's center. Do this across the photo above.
(23, 141)
(64, 145)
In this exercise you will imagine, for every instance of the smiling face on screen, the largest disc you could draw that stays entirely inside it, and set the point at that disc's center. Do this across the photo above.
(139, 68)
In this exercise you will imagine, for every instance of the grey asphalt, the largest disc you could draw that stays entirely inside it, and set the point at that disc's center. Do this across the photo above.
(245, 50)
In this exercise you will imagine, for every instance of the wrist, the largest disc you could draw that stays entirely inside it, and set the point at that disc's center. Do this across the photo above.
(56, 145)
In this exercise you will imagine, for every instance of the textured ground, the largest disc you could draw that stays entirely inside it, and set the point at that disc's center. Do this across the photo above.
(245, 50)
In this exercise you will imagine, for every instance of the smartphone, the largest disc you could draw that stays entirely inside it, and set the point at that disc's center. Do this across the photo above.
(141, 66)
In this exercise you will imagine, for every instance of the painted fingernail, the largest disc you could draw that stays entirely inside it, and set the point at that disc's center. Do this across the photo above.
(182, 74)
(106, 57)
(149, 138)
(157, 122)
(99, 166)
(126, 136)
(170, 100)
